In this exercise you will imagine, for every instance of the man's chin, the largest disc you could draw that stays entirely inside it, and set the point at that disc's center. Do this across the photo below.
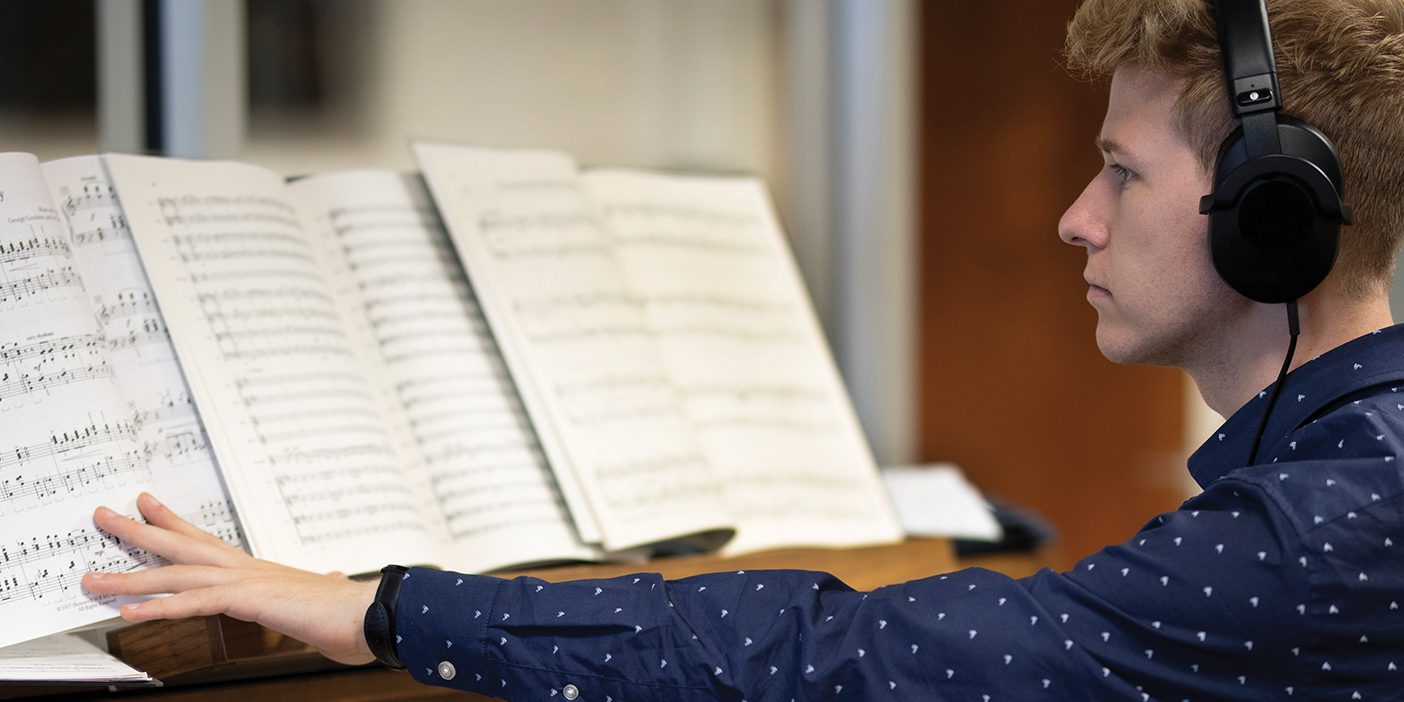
(1119, 348)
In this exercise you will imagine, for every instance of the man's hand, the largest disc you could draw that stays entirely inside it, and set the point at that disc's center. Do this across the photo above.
(208, 576)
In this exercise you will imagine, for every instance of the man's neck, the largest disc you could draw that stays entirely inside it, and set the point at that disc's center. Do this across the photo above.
(1250, 358)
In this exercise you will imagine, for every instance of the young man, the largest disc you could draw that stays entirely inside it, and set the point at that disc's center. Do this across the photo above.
(1283, 579)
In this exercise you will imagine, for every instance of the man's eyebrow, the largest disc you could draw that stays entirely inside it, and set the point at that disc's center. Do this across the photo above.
(1108, 146)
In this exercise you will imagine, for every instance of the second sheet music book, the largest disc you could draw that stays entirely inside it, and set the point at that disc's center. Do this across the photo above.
(508, 361)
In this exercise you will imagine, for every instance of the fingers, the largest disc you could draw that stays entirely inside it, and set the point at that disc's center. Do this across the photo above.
(162, 516)
(193, 603)
(154, 581)
(173, 546)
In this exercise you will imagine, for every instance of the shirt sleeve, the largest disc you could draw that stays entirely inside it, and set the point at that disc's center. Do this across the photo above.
(1200, 604)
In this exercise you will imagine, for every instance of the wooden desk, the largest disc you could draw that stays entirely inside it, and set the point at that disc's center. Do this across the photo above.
(210, 656)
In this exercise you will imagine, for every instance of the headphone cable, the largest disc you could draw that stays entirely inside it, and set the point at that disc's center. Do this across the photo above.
(1293, 330)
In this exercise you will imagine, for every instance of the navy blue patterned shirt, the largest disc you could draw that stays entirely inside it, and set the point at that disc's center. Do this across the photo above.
(1282, 580)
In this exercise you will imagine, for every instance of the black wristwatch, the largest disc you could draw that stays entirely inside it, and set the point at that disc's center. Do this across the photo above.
(380, 617)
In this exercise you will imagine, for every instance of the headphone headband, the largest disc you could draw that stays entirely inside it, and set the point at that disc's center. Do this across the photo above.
(1249, 64)
(1250, 72)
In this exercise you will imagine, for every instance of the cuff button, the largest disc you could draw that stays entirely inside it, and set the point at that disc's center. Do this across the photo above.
(570, 692)
(446, 670)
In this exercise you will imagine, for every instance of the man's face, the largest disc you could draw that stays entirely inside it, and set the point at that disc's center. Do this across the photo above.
(1157, 296)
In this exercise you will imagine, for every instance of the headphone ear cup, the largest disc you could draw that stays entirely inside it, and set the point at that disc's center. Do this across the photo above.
(1276, 243)
(1274, 246)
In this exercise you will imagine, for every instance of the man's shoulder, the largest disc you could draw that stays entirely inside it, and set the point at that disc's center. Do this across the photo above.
(1339, 466)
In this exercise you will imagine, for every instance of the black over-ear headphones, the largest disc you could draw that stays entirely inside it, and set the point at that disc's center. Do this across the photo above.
(1276, 210)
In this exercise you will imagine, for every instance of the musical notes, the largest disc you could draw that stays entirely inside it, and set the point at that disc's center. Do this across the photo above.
(34, 247)
(548, 277)
(67, 442)
(45, 569)
(707, 259)
(470, 450)
(687, 226)
(19, 290)
(87, 196)
(263, 341)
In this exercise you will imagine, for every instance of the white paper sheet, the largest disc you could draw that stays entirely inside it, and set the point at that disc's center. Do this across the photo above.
(64, 658)
(580, 349)
(294, 424)
(936, 500)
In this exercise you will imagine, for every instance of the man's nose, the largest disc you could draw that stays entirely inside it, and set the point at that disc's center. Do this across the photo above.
(1083, 224)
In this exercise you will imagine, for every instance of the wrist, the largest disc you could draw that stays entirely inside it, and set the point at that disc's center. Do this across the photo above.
(365, 595)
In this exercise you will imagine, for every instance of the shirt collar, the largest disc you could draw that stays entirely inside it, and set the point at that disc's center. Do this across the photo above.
(1373, 359)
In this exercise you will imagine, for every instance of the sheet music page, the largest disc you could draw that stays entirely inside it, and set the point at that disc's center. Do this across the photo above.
(139, 347)
(706, 259)
(437, 368)
(67, 442)
(577, 342)
(64, 658)
(295, 427)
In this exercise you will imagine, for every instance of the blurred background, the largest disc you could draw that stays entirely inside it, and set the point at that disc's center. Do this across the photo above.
(920, 153)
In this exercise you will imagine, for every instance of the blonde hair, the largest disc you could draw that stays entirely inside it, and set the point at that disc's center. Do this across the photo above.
(1341, 68)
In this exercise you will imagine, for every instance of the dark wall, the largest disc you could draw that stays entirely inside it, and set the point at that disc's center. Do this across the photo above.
(1012, 385)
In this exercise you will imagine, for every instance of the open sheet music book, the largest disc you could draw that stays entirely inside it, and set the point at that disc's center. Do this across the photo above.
(645, 367)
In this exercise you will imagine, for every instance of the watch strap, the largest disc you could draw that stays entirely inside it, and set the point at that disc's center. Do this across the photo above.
(379, 625)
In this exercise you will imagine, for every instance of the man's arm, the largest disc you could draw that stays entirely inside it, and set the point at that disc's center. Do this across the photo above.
(1201, 602)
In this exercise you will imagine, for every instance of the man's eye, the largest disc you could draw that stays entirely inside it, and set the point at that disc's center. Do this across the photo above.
(1123, 174)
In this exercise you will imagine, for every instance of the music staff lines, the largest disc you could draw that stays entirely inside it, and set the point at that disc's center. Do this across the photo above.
(688, 214)
(284, 351)
(573, 305)
(430, 390)
(150, 332)
(267, 314)
(458, 294)
(338, 494)
(34, 247)
(426, 437)
(266, 418)
(193, 209)
(41, 566)
(496, 405)
(351, 212)
(92, 196)
(398, 281)
(439, 261)
(282, 331)
(168, 409)
(350, 429)
(27, 384)
(60, 348)
(116, 230)
(456, 348)
(61, 443)
(128, 303)
(438, 309)
(457, 451)
(262, 273)
(678, 240)
(641, 330)
(73, 482)
(371, 240)
(261, 256)
(340, 453)
(279, 388)
(284, 293)
(17, 290)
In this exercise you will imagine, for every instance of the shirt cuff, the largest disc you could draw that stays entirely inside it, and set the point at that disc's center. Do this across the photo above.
(441, 620)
